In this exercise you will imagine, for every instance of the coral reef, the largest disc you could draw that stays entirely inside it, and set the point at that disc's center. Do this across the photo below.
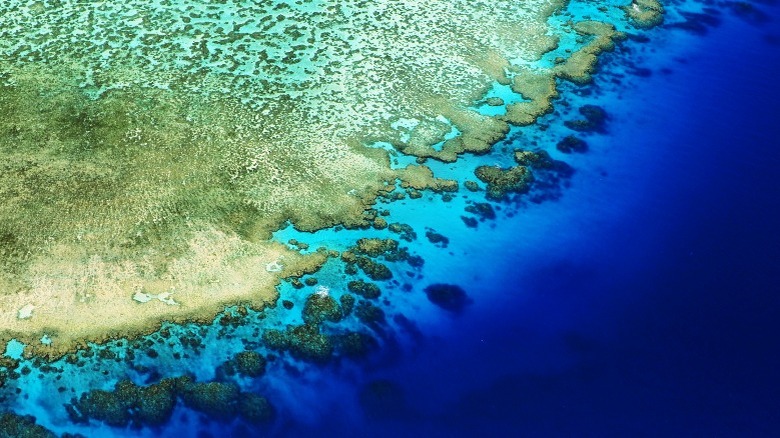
(22, 426)
(347, 302)
(483, 210)
(645, 14)
(502, 181)
(405, 231)
(437, 239)
(364, 289)
(369, 314)
(449, 297)
(127, 404)
(305, 342)
(355, 345)
(579, 67)
(147, 162)
(215, 399)
(250, 363)
(538, 88)
(571, 144)
(153, 405)
(321, 307)
(594, 119)
(255, 408)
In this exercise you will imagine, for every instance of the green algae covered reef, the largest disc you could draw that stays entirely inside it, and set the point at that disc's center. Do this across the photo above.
(150, 148)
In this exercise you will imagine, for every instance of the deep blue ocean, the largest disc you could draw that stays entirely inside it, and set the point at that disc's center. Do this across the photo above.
(641, 297)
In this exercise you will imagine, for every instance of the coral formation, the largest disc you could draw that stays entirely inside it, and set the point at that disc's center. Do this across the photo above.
(153, 405)
(405, 231)
(321, 307)
(347, 302)
(538, 88)
(645, 14)
(594, 119)
(571, 144)
(355, 345)
(437, 239)
(364, 289)
(500, 181)
(127, 404)
(22, 426)
(250, 363)
(369, 314)
(304, 342)
(481, 209)
(579, 67)
(149, 157)
(449, 297)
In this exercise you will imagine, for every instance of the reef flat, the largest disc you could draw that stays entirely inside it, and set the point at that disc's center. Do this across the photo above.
(149, 149)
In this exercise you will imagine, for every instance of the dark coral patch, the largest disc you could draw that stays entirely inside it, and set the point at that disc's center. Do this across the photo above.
(594, 120)
(483, 210)
(500, 181)
(572, 143)
(307, 343)
(364, 289)
(127, 404)
(304, 342)
(369, 314)
(276, 339)
(549, 175)
(471, 186)
(374, 270)
(255, 408)
(469, 221)
(347, 302)
(405, 231)
(250, 363)
(437, 239)
(217, 400)
(449, 297)
(354, 344)
(375, 247)
(320, 308)
(22, 426)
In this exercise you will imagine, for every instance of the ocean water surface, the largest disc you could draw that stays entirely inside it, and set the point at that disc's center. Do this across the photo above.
(632, 292)
(643, 301)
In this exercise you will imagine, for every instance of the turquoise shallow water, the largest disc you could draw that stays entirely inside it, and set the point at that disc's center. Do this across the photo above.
(634, 297)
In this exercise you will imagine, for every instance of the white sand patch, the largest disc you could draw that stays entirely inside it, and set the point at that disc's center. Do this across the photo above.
(165, 297)
(26, 312)
(322, 291)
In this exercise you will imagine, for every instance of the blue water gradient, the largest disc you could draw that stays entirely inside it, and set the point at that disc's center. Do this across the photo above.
(644, 301)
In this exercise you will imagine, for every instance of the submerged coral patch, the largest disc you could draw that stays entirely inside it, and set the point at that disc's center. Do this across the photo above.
(645, 13)
(449, 297)
(500, 181)
(594, 120)
(153, 405)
